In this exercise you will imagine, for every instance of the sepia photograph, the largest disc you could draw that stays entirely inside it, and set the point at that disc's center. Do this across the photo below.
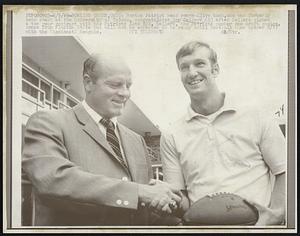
(150, 119)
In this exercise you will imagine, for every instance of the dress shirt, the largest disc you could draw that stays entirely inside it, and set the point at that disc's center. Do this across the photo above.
(96, 117)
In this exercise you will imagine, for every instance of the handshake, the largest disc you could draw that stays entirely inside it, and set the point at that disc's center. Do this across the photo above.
(160, 197)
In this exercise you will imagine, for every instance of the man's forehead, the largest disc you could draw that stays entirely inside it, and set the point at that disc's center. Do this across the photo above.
(199, 53)
(111, 63)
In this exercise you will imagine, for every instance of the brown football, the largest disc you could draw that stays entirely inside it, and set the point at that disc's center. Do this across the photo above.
(221, 209)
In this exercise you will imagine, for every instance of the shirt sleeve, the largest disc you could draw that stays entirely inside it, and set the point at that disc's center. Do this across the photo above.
(172, 170)
(273, 146)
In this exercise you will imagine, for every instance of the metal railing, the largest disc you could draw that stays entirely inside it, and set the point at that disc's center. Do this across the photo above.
(156, 164)
(153, 156)
(62, 105)
(41, 99)
(157, 171)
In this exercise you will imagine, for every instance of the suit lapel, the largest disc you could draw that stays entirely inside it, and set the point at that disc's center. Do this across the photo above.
(127, 145)
(91, 128)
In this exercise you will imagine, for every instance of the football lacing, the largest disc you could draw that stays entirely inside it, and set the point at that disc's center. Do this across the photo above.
(220, 193)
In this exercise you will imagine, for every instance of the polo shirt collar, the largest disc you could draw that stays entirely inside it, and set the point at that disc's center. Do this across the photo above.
(229, 105)
(95, 116)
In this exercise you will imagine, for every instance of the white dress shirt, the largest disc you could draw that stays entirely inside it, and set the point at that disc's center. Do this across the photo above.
(96, 117)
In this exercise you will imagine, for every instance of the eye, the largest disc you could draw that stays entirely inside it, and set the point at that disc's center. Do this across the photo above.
(183, 67)
(114, 84)
(128, 85)
(199, 64)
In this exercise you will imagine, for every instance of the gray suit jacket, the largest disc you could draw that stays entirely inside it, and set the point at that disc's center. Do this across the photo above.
(76, 176)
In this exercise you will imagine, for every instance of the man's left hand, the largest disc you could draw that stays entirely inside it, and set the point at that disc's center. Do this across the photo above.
(268, 216)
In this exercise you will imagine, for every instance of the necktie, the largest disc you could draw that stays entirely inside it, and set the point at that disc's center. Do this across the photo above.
(112, 139)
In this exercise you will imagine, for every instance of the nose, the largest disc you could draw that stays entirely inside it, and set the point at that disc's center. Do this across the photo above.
(192, 70)
(124, 91)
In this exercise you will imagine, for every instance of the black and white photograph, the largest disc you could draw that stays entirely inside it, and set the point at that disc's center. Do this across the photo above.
(157, 118)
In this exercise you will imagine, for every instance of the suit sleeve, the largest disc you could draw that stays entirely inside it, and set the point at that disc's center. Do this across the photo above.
(46, 163)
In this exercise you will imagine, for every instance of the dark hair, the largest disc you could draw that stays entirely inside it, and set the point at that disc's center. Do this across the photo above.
(89, 66)
(190, 47)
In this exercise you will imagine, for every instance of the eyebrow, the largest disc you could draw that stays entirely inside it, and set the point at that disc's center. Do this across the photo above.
(199, 59)
(192, 61)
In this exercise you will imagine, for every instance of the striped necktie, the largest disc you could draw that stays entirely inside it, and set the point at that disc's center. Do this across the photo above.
(112, 139)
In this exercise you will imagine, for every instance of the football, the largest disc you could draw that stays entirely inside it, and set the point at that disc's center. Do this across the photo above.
(221, 209)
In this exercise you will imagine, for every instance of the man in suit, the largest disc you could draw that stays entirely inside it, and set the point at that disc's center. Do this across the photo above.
(85, 167)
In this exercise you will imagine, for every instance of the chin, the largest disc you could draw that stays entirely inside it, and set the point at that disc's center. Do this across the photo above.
(116, 113)
(193, 92)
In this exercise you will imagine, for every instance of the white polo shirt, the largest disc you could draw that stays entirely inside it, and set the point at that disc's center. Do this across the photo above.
(234, 150)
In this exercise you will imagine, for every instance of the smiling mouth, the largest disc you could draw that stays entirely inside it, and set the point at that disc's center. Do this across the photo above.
(118, 103)
(194, 82)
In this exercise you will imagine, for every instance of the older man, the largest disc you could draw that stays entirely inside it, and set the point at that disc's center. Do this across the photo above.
(85, 167)
(221, 147)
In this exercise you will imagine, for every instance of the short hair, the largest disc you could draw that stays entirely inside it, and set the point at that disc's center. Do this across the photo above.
(89, 66)
(190, 47)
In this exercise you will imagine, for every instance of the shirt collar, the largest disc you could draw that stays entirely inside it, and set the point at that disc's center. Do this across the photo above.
(229, 105)
(95, 116)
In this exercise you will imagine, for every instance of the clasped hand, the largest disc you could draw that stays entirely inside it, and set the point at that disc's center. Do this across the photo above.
(160, 196)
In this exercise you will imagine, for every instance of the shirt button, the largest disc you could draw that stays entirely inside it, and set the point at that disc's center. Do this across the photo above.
(119, 202)
(125, 178)
(126, 203)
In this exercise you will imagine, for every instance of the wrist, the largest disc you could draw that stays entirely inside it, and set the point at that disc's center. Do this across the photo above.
(183, 206)
(142, 194)
(185, 202)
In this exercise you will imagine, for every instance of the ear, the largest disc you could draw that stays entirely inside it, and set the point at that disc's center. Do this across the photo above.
(215, 69)
(88, 83)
